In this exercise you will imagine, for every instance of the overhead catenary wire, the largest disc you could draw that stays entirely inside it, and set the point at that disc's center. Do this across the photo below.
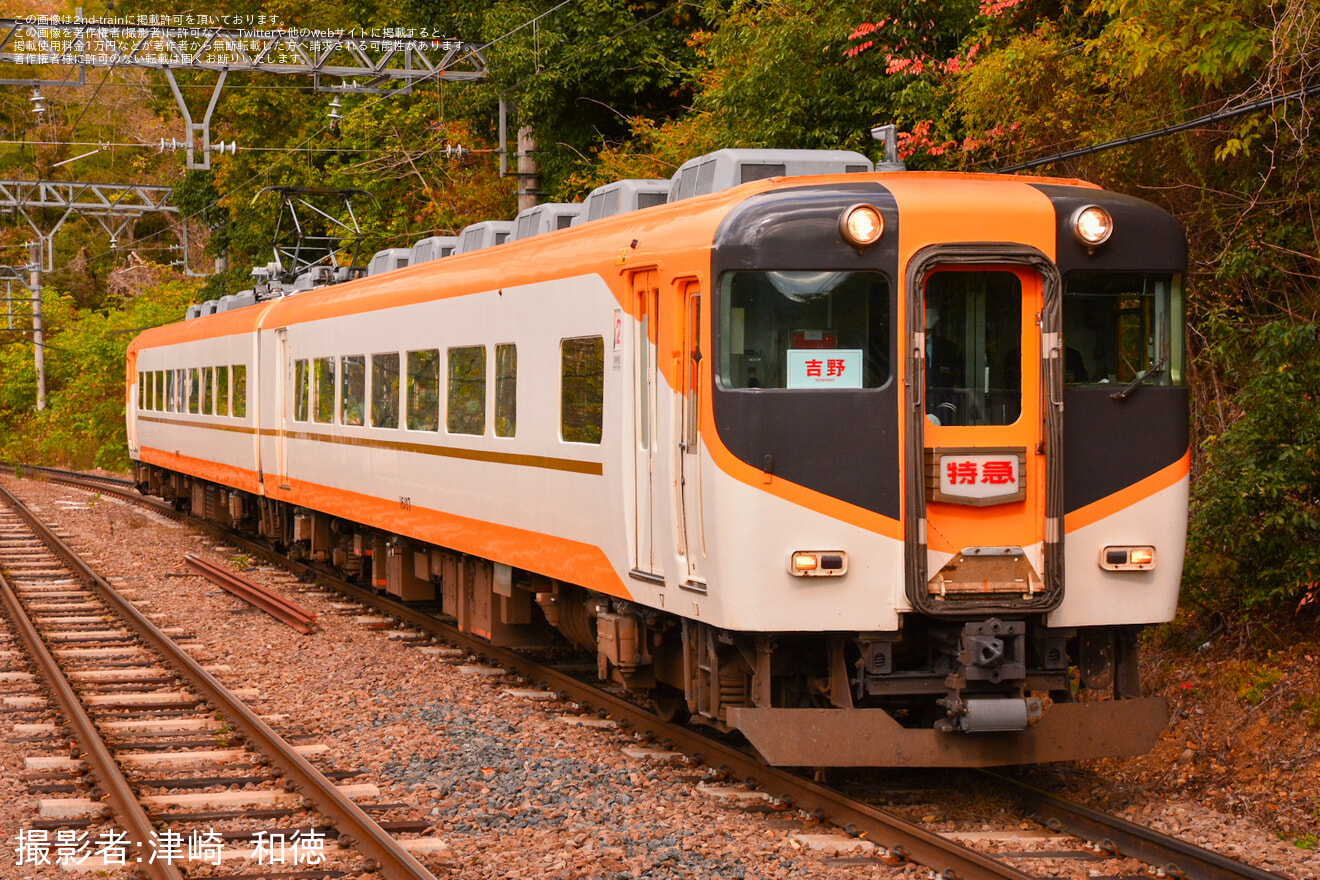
(1266, 103)
(304, 147)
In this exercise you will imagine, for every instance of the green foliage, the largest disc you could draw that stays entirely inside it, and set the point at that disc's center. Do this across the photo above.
(1250, 681)
(1309, 708)
(83, 424)
(1255, 532)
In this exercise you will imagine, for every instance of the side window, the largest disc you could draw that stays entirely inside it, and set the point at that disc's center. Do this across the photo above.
(222, 390)
(208, 380)
(150, 402)
(159, 402)
(385, 390)
(240, 391)
(169, 391)
(467, 390)
(301, 390)
(323, 380)
(424, 390)
(506, 390)
(582, 389)
(142, 391)
(352, 389)
(193, 395)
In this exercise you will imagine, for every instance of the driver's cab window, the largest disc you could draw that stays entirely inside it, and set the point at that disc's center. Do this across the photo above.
(807, 330)
(1122, 327)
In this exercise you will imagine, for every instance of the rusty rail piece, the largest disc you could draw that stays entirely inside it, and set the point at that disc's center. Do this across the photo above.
(1175, 857)
(119, 793)
(373, 842)
(901, 839)
(254, 594)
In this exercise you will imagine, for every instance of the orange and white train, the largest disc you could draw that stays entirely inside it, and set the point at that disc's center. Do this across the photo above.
(875, 467)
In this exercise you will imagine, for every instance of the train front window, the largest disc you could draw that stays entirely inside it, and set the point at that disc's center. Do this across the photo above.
(1120, 328)
(973, 344)
(805, 330)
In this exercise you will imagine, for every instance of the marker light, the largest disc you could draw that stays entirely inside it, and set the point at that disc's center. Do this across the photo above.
(862, 225)
(1127, 558)
(818, 563)
(1092, 225)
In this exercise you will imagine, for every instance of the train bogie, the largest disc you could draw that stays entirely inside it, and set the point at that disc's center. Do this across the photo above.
(884, 467)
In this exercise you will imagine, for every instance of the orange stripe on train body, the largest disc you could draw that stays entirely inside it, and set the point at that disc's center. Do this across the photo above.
(1124, 498)
(564, 559)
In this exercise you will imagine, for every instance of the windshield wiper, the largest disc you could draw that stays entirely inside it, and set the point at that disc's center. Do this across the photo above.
(1140, 380)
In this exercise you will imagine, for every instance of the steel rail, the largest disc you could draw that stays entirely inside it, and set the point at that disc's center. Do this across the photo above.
(119, 792)
(276, 606)
(1129, 839)
(1110, 833)
(899, 838)
(370, 839)
(56, 473)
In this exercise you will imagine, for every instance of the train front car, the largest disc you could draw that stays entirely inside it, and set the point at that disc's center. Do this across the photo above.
(954, 413)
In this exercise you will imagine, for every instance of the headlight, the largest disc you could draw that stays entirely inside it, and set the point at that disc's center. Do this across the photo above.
(1092, 225)
(862, 225)
(1140, 558)
(818, 563)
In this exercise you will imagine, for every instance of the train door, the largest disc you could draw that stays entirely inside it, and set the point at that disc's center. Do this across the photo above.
(282, 386)
(984, 430)
(691, 367)
(646, 296)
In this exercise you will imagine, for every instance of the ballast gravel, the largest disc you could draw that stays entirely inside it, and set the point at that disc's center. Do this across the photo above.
(510, 789)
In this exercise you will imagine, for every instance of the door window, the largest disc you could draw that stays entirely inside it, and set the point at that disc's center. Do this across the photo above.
(973, 348)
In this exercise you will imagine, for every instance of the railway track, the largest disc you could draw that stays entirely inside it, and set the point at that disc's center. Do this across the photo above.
(1075, 841)
(164, 763)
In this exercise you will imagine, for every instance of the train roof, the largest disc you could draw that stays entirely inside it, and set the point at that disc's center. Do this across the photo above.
(620, 242)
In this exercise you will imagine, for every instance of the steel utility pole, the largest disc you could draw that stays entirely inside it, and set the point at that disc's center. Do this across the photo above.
(38, 337)
(113, 205)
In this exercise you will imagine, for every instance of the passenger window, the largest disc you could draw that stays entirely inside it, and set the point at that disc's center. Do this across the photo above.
(323, 380)
(352, 389)
(424, 390)
(582, 389)
(142, 391)
(301, 390)
(385, 390)
(506, 390)
(240, 391)
(150, 402)
(193, 395)
(467, 390)
(169, 391)
(222, 391)
(159, 402)
(208, 380)
(809, 330)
